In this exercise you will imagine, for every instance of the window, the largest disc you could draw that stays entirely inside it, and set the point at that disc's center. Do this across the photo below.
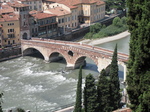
(32, 30)
(34, 7)
(68, 18)
(10, 30)
(59, 21)
(62, 20)
(47, 22)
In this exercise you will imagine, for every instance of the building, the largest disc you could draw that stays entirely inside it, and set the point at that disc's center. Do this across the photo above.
(10, 30)
(43, 25)
(66, 20)
(86, 11)
(33, 4)
(22, 10)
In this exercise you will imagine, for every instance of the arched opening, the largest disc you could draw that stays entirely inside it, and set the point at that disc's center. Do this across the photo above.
(25, 35)
(70, 53)
(88, 65)
(33, 53)
(57, 57)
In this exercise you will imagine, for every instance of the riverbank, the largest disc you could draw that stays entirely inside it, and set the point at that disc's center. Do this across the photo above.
(105, 39)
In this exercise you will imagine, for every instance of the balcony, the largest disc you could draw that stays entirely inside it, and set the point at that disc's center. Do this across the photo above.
(11, 35)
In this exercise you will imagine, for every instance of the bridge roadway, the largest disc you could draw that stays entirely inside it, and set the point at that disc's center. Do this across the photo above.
(79, 51)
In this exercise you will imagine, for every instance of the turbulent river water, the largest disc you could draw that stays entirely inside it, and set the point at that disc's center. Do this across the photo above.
(33, 84)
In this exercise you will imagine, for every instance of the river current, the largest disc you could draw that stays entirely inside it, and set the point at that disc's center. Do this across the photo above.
(33, 84)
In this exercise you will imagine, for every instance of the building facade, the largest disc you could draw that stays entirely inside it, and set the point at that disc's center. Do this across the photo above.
(10, 30)
(86, 11)
(33, 4)
(43, 25)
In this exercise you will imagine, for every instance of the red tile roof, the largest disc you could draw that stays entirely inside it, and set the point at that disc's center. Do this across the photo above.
(17, 4)
(9, 17)
(58, 11)
(6, 9)
(72, 3)
(29, 0)
(42, 15)
(34, 12)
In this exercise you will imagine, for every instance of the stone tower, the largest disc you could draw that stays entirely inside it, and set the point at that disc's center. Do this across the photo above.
(22, 10)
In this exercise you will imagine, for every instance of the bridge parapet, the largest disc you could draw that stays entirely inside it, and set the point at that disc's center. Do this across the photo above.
(96, 51)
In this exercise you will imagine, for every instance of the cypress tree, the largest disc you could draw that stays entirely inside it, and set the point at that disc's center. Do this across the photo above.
(114, 82)
(103, 89)
(1, 95)
(90, 94)
(138, 77)
(78, 105)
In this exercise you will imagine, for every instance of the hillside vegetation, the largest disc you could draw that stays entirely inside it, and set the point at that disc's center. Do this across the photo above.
(98, 31)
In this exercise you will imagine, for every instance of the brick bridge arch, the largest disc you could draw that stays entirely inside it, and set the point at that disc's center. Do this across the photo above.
(73, 52)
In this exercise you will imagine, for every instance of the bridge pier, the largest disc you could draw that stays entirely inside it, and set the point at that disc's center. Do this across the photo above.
(70, 66)
(77, 65)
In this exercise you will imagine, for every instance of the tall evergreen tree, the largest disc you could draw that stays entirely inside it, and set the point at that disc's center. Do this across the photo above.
(103, 89)
(78, 105)
(1, 95)
(114, 82)
(138, 77)
(90, 94)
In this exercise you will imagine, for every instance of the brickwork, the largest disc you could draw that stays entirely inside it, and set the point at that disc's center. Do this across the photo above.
(101, 57)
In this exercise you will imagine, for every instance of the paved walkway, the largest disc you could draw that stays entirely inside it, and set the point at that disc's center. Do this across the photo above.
(106, 39)
(68, 109)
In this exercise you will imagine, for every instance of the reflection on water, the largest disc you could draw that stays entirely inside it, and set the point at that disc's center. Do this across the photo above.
(32, 84)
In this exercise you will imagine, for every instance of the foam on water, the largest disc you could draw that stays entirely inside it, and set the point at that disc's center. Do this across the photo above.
(3, 78)
(32, 89)
(2, 68)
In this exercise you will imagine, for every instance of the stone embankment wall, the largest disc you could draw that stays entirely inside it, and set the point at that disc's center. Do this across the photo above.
(9, 53)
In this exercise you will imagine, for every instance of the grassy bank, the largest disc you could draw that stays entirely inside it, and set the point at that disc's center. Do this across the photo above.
(99, 31)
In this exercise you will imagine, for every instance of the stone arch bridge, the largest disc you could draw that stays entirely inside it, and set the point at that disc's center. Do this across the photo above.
(73, 52)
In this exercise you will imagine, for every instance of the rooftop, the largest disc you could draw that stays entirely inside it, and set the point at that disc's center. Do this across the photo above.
(42, 15)
(73, 3)
(29, 0)
(9, 17)
(17, 4)
(6, 8)
(58, 11)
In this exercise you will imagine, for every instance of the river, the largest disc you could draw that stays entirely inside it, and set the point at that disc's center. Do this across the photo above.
(33, 84)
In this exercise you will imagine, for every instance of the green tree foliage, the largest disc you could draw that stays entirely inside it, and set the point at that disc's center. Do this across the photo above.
(1, 101)
(138, 77)
(118, 26)
(117, 22)
(78, 105)
(115, 4)
(90, 94)
(114, 82)
(95, 28)
(103, 89)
